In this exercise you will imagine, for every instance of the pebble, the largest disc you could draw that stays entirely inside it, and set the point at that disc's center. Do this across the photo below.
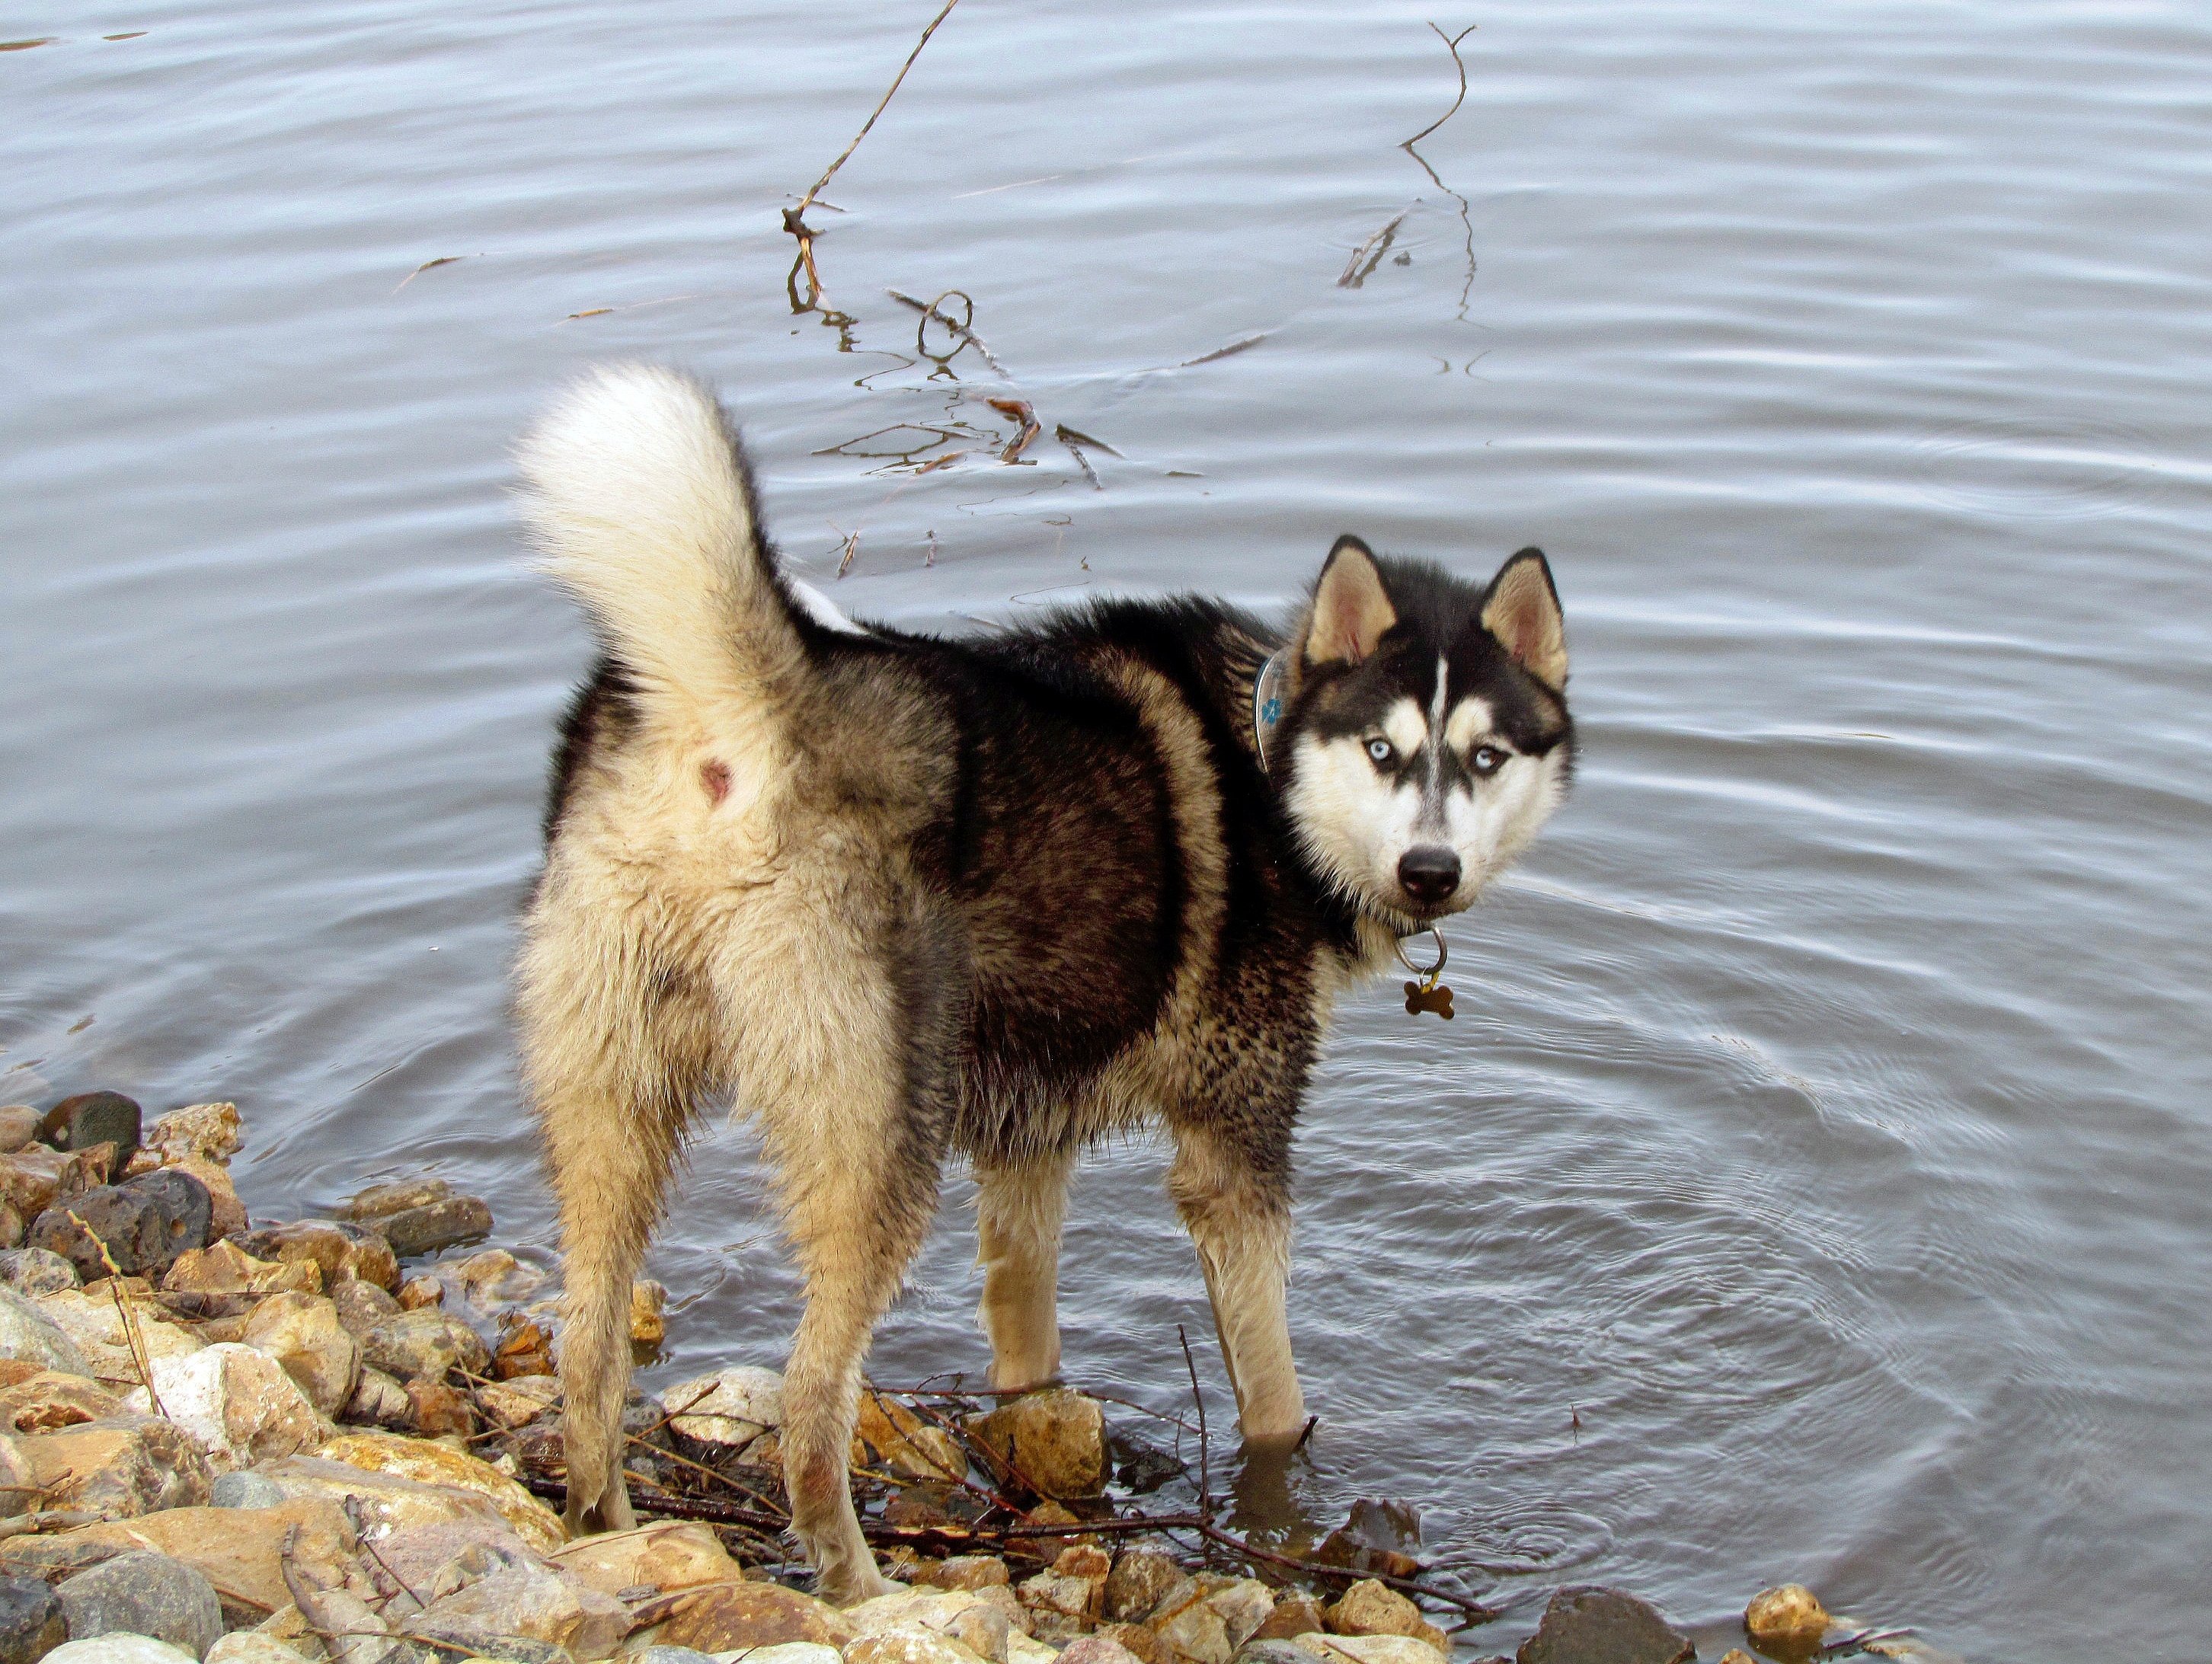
(425, 1344)
(448, 1224)
(200, 1132)
(27, 1331)
(242, 1403)
(119, 1650)
(1787, 1620)
(144, 1224)
(1592, 1625)
(120, 1466)
(35, 1272)
(32, 1622)
(302, 1333)
(19, 1125)
(244, 1488)
(1056, 1439)
(94, 1118)
(144, 1593)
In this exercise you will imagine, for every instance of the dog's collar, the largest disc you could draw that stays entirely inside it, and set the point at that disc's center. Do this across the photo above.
(1267, 703)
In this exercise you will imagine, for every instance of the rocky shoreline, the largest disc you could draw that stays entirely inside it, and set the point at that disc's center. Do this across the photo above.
(292, 1442)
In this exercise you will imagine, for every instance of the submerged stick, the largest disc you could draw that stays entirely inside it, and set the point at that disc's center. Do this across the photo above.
(830, 172)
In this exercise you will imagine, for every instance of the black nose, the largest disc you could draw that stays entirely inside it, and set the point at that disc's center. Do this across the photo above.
(1428, 872)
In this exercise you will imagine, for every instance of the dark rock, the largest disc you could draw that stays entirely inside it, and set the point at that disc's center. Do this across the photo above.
(91, 1118)
(1592, 1625)
(425, 1346)
(245, 1488)
(382, 1201)
(145, 1223)
(32, 1623)
(145, 1594)
(362, 1306)
(1377, 1537)
(342, 1251)
(443, 1225)
(35, 1272)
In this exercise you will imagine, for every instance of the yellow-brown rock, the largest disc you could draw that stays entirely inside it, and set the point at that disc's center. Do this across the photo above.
(437, 1464)
(46, 1400)
(667, 1555)
(1053, 1441)
(888, 1436)
(1785, 1619)
(721, 1617)
(1370, 1607)
(225, 1268)
(238, 1549)
(121, 1465)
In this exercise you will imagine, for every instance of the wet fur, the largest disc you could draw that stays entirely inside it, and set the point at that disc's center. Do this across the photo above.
(898, 897)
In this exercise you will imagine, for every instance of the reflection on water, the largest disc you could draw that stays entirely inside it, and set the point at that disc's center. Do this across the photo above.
(1812, 1181)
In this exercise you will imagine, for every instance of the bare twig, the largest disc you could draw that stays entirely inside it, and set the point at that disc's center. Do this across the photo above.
(46, 1519)
(132, 1340)
(830, 172)
(1368, 255)
(1205, 1465)
(962, 329)
(1451, 41)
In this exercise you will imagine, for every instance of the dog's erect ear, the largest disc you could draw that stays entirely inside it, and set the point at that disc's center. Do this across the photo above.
(1522, 611)
(1351, 607)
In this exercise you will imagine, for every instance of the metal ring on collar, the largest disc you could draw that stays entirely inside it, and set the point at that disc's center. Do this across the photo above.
(1443, 953)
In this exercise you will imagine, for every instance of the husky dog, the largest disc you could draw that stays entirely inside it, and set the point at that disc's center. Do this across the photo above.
(899, 897)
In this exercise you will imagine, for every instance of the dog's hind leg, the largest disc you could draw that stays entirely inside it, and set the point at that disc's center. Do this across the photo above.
(614, 1049)
(1018, 1209)
(1234, 1199)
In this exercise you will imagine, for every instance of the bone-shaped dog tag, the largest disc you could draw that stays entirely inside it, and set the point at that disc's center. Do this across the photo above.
(1428, 997)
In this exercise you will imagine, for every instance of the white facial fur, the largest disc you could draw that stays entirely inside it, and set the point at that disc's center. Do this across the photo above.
(1358, 820)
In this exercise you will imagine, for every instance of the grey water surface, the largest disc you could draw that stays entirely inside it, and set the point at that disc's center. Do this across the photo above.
(1817, 1181)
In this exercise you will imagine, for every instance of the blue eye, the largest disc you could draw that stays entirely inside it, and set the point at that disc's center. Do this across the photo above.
(1382, 750)
(1488, 760)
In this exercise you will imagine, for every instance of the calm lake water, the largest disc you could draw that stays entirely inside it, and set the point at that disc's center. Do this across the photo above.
(1817, 1181)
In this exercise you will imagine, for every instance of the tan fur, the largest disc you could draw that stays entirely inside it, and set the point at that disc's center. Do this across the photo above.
(1351, 607)
(1523, 613)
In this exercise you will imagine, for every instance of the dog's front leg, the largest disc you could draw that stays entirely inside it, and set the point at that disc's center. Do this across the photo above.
(1236, 1204)
(1018, 1209)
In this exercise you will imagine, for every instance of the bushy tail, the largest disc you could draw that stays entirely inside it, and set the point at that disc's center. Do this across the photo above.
(638, 498)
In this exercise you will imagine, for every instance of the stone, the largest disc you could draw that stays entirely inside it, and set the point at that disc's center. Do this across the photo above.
(1269, 1650)
(1243, 1605)
(19, 1492)
(238, 1551)
(1142, 1640)
(210, 1132)
(438, 1558)
(248, 1646)
(524, 1348)
(659, 1654)
(1099, 1649)
(667, 1555)
(1587, 1624)
(19, 1125)
(341, 1251)
(1369, 1607)
(518, 1403)
(244, 1488)
(393, 1196)
(29, 1332)
(1737, 1655)
(1786, 1619)
(530, 1600)
(1140, 1577)
(302, 1333)
(728, 1409)
(34, 1271)
(121, 1465)
(420, 1293)
(33, 1179)
(888, 1435)
(1377, 1536)
(416, 1231)
(91, 1118)
(1053, 1441)
(104, 1346)
(238, 1402)
(225, 1268)
(1295, 1614)
(227, 1213)
(389, 1501)
(47, 1398)
(31, 1621)
(143, 1224)
(496, 1278)
(783, 1652)
(378, 1400)
(648, 1313)
(1021, 1649)
(424, 1344)
(436, 1410)
(145, 1594)
(1195, 1633)
(436, 1464)
(972, 1572)
(362, 1306)
(977, 1624)
(119, 1650)
(718, 1617)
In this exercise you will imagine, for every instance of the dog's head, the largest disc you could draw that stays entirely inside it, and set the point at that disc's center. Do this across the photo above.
(1424, 737)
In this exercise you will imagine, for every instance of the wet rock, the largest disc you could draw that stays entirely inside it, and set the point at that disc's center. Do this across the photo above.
(421, 1294)
(448, 1224)
(524, 1348)
(667, 1555)
(31, 1621)
(1055, 1440)
(426, 1344)
(380, 1201)
(91, 1118)
(34, 1271)
(727, 1409)
(119, 1650)
(121, 1465)
(1369, 1607)
(29, 1332)
(200, 1132)
(378, 1400)
(889, 1437)
(238, 1402)
(520, 1402)
(144, 1593)
(143, 1224)
(721, 1617)
(435, 1464)
(1377, 1537)
(225, 1268)
(1592, 1625)
(362, 1306)
(341, 1251)
(1294, 1615)
(648, 1313)
(1100, 1650)
(244, 1488)
(972, 1572)
(302, 1333)
(496, 1278)
(1785, 1619)
(530, 1600)
(227, 1214)
(19, 1125)
(434, 1410)
(1140, 1577)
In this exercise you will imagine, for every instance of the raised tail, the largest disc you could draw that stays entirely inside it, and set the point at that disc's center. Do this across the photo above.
(638, 499)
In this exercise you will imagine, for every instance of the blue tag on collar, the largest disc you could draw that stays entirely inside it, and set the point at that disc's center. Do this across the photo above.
(1267, 703)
